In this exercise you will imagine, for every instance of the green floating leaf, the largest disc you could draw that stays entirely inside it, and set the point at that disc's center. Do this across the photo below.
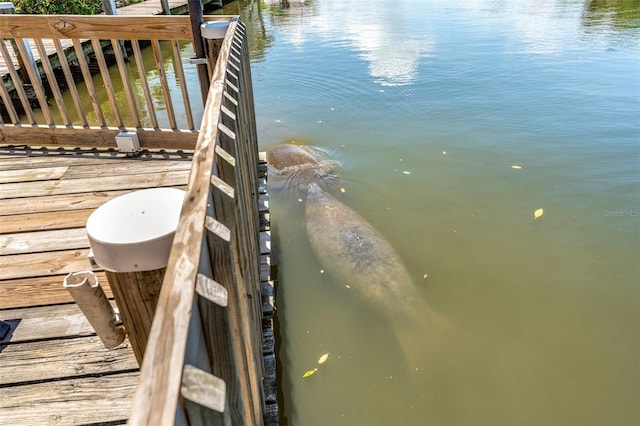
(309, 373)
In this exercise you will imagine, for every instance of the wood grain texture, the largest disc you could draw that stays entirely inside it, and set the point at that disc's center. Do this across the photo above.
(86, 400)
(136, 295)
(57, 203)
(29, 175)
(156, 400)
(42, 264)
(95, 27)
(95, 136)
(94, 184)
(52, 359)
(46, 322)
(38, 242)
(41, 291)
(44, 221)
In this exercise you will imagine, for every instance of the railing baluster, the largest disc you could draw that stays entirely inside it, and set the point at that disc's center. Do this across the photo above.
(182, 82)
(8, 102)
(126, 82)
(164, 83)
(17, 83)
(106, 80)
(142, 73)
(71, 85)
(88, 79)
(53, 82)
(37, 88)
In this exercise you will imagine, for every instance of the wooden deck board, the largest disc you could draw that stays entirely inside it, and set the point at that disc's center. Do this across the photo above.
(53, 368)
(21, 292)
(93, 184)
(85, 400)
(49, 360)
(44, 221)
(38, 242)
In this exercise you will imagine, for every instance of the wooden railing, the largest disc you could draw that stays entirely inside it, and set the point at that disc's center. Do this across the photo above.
(203, 362)
(150, 97)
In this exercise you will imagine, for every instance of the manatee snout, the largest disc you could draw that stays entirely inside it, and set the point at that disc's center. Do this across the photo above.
(293, 167)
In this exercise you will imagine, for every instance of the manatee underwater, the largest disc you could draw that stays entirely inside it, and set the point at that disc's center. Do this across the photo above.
(291, 168)
(354, 252)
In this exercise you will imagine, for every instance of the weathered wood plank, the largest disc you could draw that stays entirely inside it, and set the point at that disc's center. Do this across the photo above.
(157, 397)
(52, 359)
(46, 322)
(44, 221)
(40, 264)
(57, 203)
(40, 291)
(88, 400)
(22, 162)
(28, 175)
(95, 184)
(99, 27)
(122, 169)
(37, 242)
(94, 136)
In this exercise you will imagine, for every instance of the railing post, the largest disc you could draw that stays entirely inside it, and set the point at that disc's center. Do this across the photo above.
(195, 13)
(131, 237)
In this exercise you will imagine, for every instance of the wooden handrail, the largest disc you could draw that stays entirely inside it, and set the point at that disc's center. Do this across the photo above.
(38, 113)
(207, 321)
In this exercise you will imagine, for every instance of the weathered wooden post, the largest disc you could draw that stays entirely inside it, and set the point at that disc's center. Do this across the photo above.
(7, 8)
(131, 237)
(196, 15)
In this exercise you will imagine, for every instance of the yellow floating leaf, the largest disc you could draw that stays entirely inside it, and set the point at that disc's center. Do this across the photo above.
(538, 213)
(516, 167)
(309, 373)
(347, 286)
(323, 358)
(343, 190)
(300, 200)
(425, 276)
(406, 172)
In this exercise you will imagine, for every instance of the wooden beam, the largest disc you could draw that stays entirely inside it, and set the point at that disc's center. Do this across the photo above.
(157, 397)
(136, 294)
(95, 27)
(39, 135)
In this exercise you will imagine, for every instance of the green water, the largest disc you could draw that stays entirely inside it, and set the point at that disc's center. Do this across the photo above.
(427, 105)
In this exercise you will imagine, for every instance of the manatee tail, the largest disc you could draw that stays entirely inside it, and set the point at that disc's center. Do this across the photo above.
(423, 338)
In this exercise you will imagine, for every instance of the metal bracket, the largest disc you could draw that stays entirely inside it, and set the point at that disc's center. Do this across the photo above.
(198, 61)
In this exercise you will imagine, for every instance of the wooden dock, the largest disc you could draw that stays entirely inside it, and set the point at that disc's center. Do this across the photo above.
(53, 368)
(210, 353)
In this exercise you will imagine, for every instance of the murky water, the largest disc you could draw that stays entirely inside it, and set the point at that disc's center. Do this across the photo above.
(428, 105)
